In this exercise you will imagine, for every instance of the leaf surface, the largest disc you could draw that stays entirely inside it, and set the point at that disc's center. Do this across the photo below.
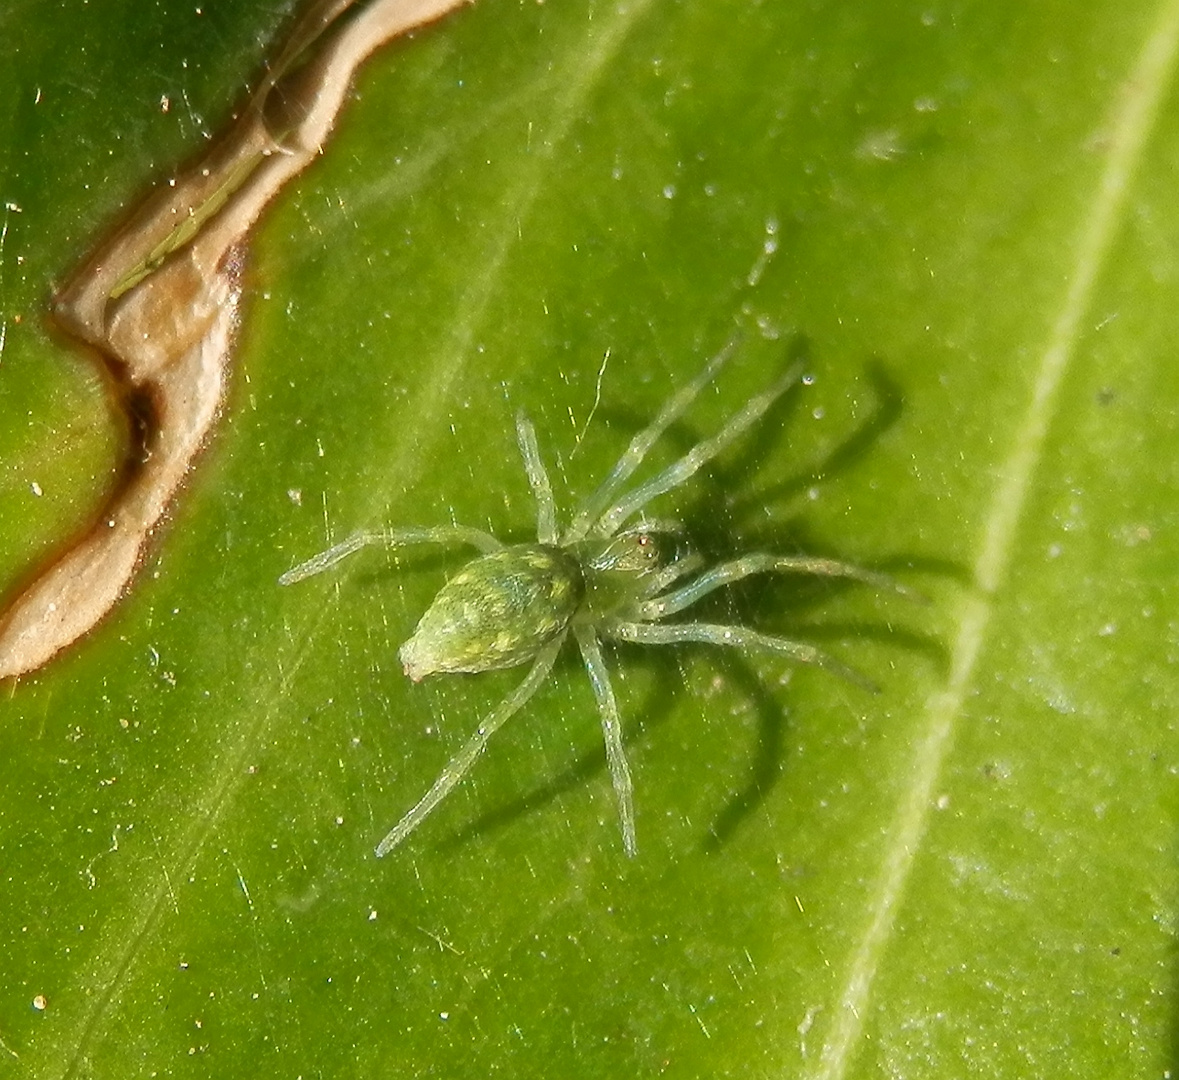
(560, 207)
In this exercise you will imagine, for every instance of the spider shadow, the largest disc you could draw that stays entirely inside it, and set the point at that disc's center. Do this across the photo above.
(886, 411)
(781, 609)
(768, 757)
(661, 696)
(664, 691)
(777, 606)
(776, 603)
(726, 482)
(790, 606)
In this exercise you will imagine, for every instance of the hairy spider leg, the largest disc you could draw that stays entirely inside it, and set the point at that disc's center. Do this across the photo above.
(738, 637)
(591, 653)
(538, 480)
(672, 410)
(689, 564)
(703, 452)
(435, 534)
(458, 765)
(728, 572)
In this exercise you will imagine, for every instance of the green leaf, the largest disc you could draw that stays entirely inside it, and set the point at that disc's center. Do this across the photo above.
(971, 872)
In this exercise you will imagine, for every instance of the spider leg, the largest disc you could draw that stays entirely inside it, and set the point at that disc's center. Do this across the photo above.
(703, 452)
(689, 564)
(441, 534)
(538, 480)
(593, 506)
(591, 652)
(738, 637)
(728, 572)
(458, 765)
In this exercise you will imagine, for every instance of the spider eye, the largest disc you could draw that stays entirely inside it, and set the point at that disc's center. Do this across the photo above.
(634, 553)
(649, 549)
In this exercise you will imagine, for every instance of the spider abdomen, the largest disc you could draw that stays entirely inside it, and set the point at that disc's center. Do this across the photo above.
(500, 610)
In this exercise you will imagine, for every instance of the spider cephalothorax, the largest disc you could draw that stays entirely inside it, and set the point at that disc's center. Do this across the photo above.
(597, 578)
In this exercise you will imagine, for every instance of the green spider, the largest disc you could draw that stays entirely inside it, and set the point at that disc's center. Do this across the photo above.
(601, 577)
